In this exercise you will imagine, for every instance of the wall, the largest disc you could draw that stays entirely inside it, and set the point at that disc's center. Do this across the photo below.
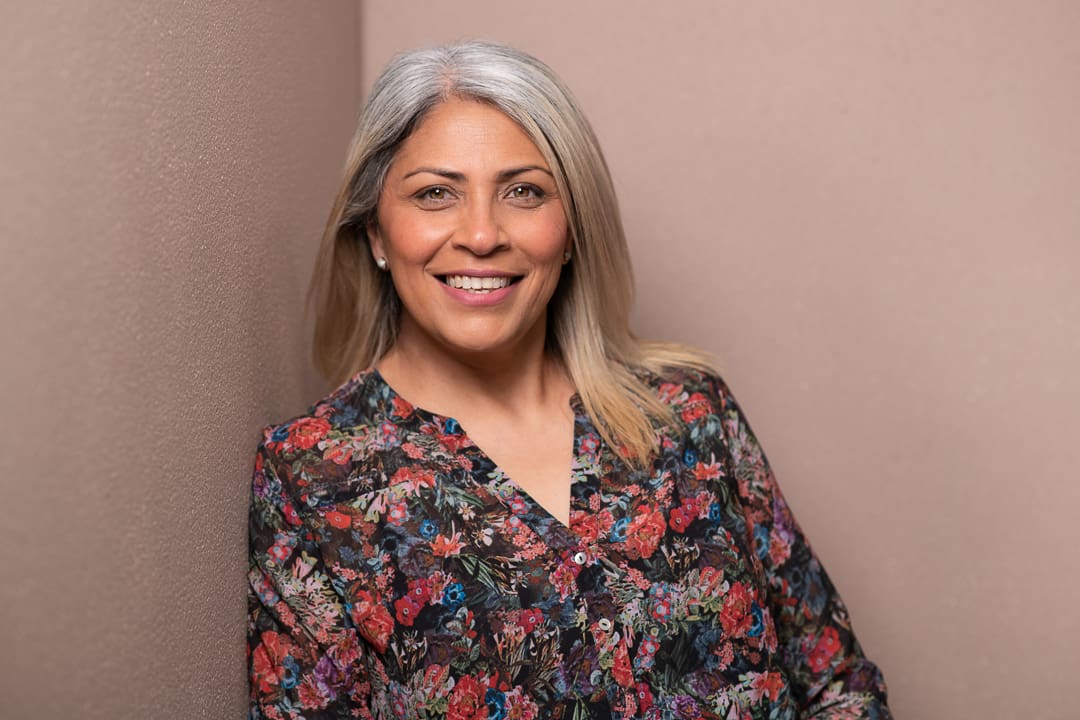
(870, 212)
(167, 168)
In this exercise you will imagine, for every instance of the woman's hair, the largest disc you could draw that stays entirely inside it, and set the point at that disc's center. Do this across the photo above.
(357, 309)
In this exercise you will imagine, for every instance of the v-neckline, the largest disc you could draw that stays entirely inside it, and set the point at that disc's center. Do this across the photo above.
(444, 421)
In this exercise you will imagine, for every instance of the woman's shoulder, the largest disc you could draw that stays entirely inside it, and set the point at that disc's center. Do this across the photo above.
(332, 432)
(343, 407)
(687, 387)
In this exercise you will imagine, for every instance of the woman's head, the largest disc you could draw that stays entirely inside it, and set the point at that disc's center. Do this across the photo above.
(357, 307)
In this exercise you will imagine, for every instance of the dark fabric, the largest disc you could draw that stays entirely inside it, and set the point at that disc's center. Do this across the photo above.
(397, 573)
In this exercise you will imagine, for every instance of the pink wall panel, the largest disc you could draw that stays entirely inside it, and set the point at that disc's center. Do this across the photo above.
(869, 211)
(166, 172)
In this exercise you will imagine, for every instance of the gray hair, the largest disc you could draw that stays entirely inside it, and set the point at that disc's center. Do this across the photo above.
(357, 308)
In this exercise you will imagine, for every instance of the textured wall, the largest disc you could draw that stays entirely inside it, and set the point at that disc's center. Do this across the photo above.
(870, 212)
(166, 171)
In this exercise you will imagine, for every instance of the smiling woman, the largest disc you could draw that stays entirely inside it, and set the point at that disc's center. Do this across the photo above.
(473, 230)
(511, 507)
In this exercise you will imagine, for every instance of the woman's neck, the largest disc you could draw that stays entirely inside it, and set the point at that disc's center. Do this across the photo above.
(499, 383)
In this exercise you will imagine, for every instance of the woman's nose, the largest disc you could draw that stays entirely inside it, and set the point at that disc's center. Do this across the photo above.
(480, 231)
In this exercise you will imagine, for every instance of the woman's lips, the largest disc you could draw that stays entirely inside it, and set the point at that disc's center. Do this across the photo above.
(479, 289)
(477, 283)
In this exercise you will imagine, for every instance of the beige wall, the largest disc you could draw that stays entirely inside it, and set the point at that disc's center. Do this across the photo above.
(871, 212)
(165, 169)
(868, 210)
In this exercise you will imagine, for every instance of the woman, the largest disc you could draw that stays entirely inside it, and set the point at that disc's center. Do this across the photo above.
(512, 508)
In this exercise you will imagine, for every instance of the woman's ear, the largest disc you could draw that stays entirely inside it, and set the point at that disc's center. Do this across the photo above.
(374, 237)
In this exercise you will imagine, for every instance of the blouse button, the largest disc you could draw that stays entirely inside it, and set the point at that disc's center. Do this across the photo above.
(579, 558)
(604, 624)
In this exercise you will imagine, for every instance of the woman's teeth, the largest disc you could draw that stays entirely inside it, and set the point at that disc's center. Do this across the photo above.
(477, 284)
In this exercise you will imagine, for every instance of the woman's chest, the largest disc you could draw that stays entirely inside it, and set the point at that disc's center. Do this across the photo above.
(455, 570)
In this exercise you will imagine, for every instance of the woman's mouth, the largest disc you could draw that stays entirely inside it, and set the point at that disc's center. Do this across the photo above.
(479, 285)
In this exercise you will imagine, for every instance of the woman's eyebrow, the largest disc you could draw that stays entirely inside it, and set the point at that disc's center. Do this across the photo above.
(448, 174)
(456, 176)
(512, 172)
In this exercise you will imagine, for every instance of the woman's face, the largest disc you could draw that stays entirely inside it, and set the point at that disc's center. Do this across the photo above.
(472, 225)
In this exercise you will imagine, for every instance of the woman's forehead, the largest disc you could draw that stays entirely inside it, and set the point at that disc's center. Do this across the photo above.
(467, 134)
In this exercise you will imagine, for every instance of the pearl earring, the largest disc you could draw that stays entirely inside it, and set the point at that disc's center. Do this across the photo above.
(382, 263)
(566, 257)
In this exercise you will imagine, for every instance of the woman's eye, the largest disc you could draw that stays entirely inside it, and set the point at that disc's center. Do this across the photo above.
(433, 196)
(528, 193)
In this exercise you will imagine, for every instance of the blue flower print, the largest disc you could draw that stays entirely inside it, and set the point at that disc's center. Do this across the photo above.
(690, 457)
(292, 670)
(761, 541)
(759, 621)
(453, 596)
(429, 529)
(618, 530)
(716, 513)
(346, 415)
(496, 704)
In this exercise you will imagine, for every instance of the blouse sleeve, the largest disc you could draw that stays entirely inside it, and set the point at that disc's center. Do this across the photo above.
(830, 676)
(303, 659)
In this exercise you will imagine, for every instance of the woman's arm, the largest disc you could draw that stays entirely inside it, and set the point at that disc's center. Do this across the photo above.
(303, 660)
(830, 675)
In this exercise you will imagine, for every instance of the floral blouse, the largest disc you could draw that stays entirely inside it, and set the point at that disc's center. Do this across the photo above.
(396, 572)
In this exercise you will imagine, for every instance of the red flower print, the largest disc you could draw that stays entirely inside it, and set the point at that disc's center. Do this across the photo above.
(412, 450)
(338, 520)
(306, 432)
(280, 551)
(313, 695)
(420, 591)
(827, 646)
(531, 619)
(267, 661)
(648, 648)
(644, 697)
(417, 477)
(696, 406)
(467, 700)
(779, 549)
(345, 650)
(644, 532)
(565, 579)
(444, 546)
(454, 443)
(373, 620)
(735, 616)
(339, 453)
(398, 512)
(291, 516)
(769, 683)
(402, 409)
(621, 669)
(584, 524)
(707, 471)
(519, 706)
(669, 392)
(405, 610)
(681, 517)
(388, 432)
